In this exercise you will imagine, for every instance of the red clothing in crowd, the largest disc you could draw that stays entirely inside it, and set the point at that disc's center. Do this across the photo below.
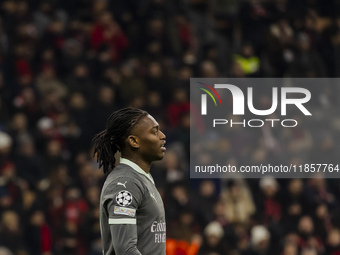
(111, 36)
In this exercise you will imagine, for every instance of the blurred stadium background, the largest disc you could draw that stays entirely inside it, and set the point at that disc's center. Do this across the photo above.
(66, 65)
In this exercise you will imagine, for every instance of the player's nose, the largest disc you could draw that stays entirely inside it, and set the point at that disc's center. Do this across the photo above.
(163, 136)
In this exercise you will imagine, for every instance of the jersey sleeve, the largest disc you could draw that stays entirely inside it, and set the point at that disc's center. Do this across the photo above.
(124, 239)
(124, 196)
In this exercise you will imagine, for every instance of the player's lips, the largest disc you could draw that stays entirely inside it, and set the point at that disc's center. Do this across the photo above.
(163, 147)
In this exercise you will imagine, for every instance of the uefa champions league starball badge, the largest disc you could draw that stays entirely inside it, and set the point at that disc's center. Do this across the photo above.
(124, 198)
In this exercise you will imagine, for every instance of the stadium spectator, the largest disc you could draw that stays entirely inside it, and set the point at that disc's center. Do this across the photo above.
(239, 205)
(213, 242)
(11, 234)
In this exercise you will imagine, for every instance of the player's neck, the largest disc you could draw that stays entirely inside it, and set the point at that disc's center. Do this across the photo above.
(139, 162)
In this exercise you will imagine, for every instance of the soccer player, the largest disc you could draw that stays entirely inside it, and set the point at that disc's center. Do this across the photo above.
(132, 216)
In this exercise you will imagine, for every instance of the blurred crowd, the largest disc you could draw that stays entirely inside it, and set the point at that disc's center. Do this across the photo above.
(65, 65)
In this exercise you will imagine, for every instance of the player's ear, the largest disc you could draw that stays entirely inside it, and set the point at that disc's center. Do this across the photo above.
(133, 141)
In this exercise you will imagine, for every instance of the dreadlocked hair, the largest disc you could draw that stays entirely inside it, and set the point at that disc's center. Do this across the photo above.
(118, 128)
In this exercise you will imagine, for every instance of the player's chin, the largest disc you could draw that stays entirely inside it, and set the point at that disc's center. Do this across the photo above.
(160, 155)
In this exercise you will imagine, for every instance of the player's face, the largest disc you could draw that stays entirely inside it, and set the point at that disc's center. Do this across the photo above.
(151, 139)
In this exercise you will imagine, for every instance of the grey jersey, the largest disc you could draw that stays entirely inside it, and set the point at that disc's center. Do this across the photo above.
(132, 218)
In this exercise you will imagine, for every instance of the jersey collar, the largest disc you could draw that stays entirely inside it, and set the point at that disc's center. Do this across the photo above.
(136, 168)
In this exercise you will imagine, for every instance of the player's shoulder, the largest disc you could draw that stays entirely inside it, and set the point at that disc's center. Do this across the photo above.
(123, 176)
(124, 171)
